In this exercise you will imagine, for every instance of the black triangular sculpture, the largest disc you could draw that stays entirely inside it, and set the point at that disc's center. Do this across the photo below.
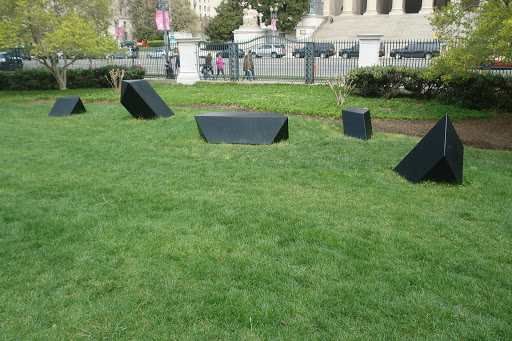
(65, 106)
(142, 101)
(243, 127)
(357, 123)
(437, 157)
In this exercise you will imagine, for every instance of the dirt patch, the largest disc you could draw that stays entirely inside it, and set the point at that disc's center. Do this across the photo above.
(494, 133)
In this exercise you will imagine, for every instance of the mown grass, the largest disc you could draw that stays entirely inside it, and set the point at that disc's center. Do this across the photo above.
(116, 228)
(296, 99)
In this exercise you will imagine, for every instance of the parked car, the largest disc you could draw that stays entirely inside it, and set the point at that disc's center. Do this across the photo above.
(128, 43)
(160, 53)
(353, 52)
(425, 50)
(495, 63)
(20, 53)
(9, 64)
(118, 55)
(322, 50)
(269, 50)
(225, 53)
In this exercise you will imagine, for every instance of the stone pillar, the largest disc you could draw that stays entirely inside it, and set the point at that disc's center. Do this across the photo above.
(347, 7)
(369, 46)
(397, 7)
(371, 7)
(427, 6)
(188, 60)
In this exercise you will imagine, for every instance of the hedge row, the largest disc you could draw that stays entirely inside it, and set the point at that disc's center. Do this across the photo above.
(472, 90)
(42, 79)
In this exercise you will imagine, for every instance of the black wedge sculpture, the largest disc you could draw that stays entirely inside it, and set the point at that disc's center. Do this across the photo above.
(65, 106)
(142, 101)
(437, 157)
(243, 127)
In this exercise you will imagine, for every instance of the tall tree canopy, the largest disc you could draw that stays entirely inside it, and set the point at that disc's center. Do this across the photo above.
(229, 18)
(473, 32)
(57, 27)
(289, 12)
(143, 13)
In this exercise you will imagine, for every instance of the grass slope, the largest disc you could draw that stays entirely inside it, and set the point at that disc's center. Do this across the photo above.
(116, 228)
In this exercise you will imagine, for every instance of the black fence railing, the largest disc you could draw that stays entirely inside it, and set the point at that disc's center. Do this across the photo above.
(279, 59)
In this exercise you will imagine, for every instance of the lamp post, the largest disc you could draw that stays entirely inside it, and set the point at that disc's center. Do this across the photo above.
(162, 4)
(116, 24)
(273, 21)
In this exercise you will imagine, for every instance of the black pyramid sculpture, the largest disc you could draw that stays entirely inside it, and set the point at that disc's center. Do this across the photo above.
(357, 123)
(437, 157)
(65, 106)
(243, 127)
(142, 101)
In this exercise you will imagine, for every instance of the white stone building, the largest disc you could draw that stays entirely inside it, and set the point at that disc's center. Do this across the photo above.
(121, 13)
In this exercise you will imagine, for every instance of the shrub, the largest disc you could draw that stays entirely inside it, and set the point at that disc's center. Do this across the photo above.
(155, 43)
(42, 79)
(377, 81)
(423, 84)
(473, 90)
(30, 79)
(478, 91)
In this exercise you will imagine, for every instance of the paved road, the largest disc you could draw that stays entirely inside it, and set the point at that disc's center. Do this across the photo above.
(286, 67)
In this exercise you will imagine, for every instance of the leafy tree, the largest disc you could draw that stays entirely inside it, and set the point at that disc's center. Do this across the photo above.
(229, 18)
(55, 27)
(289, 12)
(472, 32)
(143, 13)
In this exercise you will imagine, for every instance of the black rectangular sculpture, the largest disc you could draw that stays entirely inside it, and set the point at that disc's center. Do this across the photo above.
(243, 127)
(65, 106)
(437, 157)
(142, 101)
(357, 123)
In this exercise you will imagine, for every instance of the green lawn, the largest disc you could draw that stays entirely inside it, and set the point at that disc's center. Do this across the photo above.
(117, 228)
(315, 100)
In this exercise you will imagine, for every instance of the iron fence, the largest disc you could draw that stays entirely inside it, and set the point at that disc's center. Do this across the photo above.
(278, 59)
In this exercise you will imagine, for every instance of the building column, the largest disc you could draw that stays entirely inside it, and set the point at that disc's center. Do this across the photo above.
(371, 7)
(397, 7)
(348, 7)
(427, 6)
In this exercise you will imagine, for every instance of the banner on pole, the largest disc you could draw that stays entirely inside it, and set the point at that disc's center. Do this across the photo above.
(119, 31)
(273, 23)
(159, 20)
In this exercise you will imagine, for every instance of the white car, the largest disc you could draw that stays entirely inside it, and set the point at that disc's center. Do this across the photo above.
(160, 53)
(274, 51)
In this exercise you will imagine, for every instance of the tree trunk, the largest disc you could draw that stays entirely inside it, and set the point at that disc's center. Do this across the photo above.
(60, 76)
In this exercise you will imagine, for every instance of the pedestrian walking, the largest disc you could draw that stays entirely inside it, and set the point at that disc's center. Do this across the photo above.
(220, 66)
(208, 64)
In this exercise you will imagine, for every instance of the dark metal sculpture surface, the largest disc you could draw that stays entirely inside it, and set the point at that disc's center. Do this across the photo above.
(142, 101)
(357, 123)
(243, 127)
(65, 106)
(437, 157)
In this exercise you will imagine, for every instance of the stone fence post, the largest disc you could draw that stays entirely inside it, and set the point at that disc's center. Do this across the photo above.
(369, 46)
(189, 73)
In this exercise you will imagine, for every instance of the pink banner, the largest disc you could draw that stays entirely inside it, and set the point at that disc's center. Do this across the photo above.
(159, 22)
(273, 23)
(119, 31)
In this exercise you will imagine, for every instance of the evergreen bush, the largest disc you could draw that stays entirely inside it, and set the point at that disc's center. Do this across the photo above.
(473, 90)
(42, 79)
